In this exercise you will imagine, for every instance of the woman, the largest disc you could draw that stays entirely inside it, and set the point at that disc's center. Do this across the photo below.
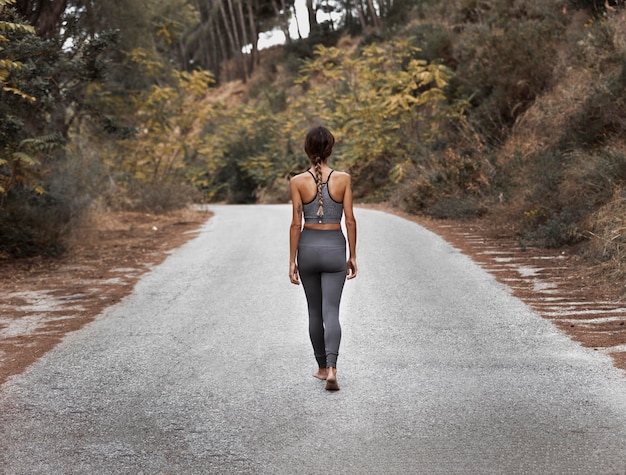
(322, 195)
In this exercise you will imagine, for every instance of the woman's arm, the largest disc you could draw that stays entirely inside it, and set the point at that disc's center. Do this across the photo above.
(294, 230)
(350, 228)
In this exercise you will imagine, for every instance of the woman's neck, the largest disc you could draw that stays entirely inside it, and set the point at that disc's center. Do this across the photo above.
(323, 166)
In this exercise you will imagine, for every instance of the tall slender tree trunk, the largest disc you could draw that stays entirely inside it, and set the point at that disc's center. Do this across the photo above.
(254, 57)
(372, 11)
(293, 12)
(361, 13)
(244, 32)
(385, 7)
(208, 57)
(231, 37)
(238, 53)
(219, 49)
(312, 16)
(184, 58)
(329, 10)
(285, 15)
(207, 47)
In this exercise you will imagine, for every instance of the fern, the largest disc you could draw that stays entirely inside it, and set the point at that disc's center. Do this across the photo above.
(7, 65)
(43, 143)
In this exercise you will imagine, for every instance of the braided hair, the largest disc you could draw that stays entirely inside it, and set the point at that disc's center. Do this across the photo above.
(318, 146)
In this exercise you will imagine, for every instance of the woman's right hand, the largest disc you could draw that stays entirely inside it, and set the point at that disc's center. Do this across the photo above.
(293, 273)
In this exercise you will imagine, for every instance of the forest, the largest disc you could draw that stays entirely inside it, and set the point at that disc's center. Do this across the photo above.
(505, 110)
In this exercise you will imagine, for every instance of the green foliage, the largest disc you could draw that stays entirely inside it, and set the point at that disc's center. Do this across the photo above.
(434, 41)
(552, 229)
(54, 83)
(16, 165)
(32, 224)
(43, 90)
(161, 158)
(247, 149)
(382, 103)
(445, 184)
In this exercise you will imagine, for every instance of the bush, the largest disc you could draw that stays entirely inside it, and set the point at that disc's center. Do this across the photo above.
(601, 117)
(434, 42)
(444, 184)
(607, 231)
(591, 178)
(32, 224)
(552, 229)
(151, 198)
(302, 49)
(457, 207)
(502, 71)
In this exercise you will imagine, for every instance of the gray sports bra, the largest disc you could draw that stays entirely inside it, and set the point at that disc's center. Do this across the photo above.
(333, 210)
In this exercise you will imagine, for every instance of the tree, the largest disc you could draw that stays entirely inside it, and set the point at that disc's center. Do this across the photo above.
(282, 13)
(46, 16)
(45, 88)
(383, 104)
(16, 166)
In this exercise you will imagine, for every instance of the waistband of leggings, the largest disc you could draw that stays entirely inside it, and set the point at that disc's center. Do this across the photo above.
(322, 231)
(322, 237)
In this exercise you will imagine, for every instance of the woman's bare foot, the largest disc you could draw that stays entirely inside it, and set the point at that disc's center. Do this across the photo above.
(321, 373)
(331, 380)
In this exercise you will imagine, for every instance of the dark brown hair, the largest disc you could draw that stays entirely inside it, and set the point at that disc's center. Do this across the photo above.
(318, 146)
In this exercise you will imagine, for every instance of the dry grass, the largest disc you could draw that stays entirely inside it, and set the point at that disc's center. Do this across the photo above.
(555, 158)
(607, 230)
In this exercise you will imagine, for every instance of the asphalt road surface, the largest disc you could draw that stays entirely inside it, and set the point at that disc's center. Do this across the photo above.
(207, 368)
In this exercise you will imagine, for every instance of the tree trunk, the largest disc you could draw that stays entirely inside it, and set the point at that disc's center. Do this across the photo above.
(211, 45)
(254, 57)
(244, 31)
(372, 11)
(45, 16)
(312, 16)
(231, 37)
(220, 49)
(362, 19)
(238, 53)
(293, 11)
(285, 20)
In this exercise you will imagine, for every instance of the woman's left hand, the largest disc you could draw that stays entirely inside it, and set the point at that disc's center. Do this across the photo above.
(352, 269)
(293, 273)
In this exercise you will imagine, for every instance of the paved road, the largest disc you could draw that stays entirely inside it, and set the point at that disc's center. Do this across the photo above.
(206, 368)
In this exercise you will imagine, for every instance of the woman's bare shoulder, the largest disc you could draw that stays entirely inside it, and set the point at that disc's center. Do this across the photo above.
(299, 182)
(343, 176)
(301, 176)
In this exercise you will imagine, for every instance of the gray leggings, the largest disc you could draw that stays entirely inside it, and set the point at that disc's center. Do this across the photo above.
(322, 268)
